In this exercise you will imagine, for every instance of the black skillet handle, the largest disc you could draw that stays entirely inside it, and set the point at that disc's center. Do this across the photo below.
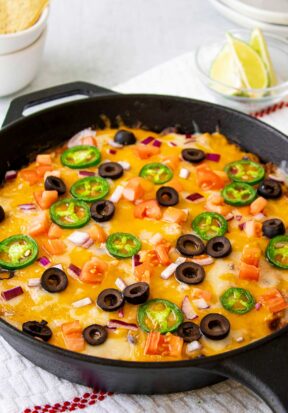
(18, 105)
(263, 369)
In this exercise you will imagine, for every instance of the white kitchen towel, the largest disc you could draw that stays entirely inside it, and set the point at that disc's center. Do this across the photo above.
(25, 388)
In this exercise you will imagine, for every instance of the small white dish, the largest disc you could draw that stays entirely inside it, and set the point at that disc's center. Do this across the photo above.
(248, 22)
(12, 42)
(18, 69)
(268, 11)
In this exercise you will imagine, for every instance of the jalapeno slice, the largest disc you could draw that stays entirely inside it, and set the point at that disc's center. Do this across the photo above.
(90, 189)
(17, 252)
(237, 300)
(81, 156)
(159, 315)
(209, 225)
(70, 213)
(245, 171)
(157, 173)
(123, 245)
(239, 194)
(277, 251)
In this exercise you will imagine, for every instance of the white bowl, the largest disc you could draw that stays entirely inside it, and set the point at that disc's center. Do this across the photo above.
(12, 42)
(18, 69)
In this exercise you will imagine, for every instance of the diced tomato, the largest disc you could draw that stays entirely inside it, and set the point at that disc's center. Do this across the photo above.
(55, 231)
(93, 271)
(97, 233)
(41, 170)
(30, 176)
(249, 272)
(215, 203)
(258, 205)
(143, 271)
(163, 345)
(146, 151)
(274, 300)
(148, 209)
(199, 293)
(73, 338)
(251, 255)
(133, 190)
(208, 179)
(174, 183)
(253, 229)
(45, 198)
(172, 161)
(174, 215)
(54, 246)
(163, 254)
(39, 225)
(44, 159)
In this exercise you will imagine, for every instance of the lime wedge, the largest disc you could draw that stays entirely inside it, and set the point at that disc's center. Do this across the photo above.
(258, 43)
(250, 65)
(225, 70)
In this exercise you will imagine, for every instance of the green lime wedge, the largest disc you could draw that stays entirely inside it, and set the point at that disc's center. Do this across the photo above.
(258, 43)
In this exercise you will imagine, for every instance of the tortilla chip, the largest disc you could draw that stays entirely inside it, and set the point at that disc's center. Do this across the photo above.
(18, 15)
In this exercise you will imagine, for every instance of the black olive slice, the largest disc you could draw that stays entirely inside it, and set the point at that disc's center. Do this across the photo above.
(273, 227)
(193, 155)
(2, 214)
(102, 211)
(190, 273)
(137, 293)
(95, 334)
(110, 299)
(167, 196)
(270, 189)
(189, 331)
(218, 247)
(124, 137)
(190, 245)
(54, 280)
(36, 329)
(53, 183)
(215, 326)
(111, 170)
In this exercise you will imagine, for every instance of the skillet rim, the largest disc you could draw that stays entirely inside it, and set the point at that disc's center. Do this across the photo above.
(141, 364)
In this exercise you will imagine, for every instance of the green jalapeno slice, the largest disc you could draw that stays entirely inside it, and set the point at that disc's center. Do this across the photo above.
(81, 156)
(17, 251)
(157, 173)
(245, 171)
(209, 225)
(123, 245)
(70, 213)
(90, 189)
(239, 194)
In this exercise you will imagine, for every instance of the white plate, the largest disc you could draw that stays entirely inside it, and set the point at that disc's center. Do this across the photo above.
(268, 11)
(247, 22)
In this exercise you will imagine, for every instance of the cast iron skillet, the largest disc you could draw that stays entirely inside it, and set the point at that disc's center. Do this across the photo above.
(263, 365)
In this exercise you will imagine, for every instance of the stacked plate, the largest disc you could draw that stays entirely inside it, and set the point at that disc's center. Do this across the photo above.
(271, 16)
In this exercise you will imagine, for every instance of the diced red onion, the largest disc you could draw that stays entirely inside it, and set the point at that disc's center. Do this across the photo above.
(259, 216)
(148, 140)
(44, 261)
(115, 144)
(121, 313)
(122, 324)
(76, 139)
(12, 293)
(120, 283)
(125, 165)
(238, 217)
(117, 194)
(9, 175)
(187, 309)
(165, 274)
(242, 226)
(195, 197)
(59, 266)
(172, 143)
(215, 157)
(156, 238)
(258, 306)
(201, 303)
(229, 216)
(136, 260)
(188, 136)
(79, 238)
(88, 243)
(279, 178)
(33, 282)
(76, 270)
(86, 173)
(203, 261)
(157, 143)
(112, 151)
(82, 303)
(184, 173)
(193, 346)
(27, 207)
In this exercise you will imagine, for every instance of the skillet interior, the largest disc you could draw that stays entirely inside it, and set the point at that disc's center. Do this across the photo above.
(53, 126)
